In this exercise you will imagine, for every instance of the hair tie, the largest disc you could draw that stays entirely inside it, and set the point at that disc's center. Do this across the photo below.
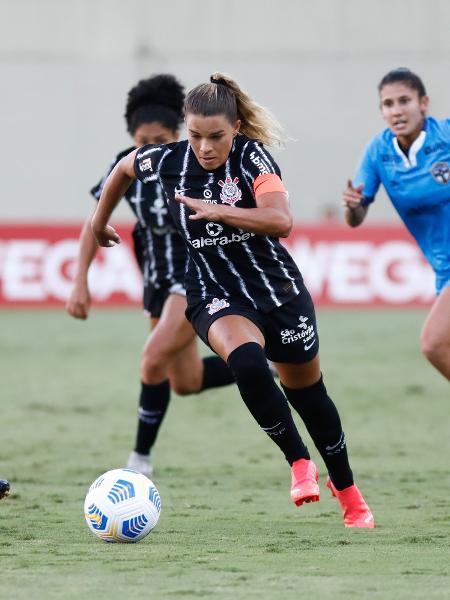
(217, 81)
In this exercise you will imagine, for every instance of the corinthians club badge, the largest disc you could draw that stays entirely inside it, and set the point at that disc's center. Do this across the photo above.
(217, 305)
(230, 193)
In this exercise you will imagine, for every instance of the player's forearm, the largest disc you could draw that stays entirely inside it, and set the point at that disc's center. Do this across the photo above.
(115, 187)
(355, 216)
(86, 252)
(262, 221)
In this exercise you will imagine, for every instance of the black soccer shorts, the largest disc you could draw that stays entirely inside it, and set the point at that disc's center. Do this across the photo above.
(290, 331)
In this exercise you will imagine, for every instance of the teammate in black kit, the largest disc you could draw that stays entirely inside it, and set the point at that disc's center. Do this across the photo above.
(170, 359)
(246, 296)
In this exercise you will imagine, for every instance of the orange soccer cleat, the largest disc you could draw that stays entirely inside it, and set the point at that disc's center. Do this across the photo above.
(354, 507)
(304, 482)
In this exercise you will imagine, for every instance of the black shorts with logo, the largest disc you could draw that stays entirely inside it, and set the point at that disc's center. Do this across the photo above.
(290, 331)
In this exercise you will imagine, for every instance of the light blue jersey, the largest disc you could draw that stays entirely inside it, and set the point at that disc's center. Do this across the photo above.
(418, 186)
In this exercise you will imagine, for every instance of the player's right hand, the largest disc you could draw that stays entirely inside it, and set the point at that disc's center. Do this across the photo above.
(106, 236)
(351, 197)
(79, 302)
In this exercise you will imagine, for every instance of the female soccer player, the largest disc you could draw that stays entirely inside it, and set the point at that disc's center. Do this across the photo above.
(170, 359)
(411, 158)
(246, 297)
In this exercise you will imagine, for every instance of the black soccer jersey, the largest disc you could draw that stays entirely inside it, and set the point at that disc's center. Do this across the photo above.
(164, 258)
(225, 262)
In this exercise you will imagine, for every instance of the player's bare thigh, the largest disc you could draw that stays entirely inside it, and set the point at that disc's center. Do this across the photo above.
(435, 336)
(231, 331)
(171, 332)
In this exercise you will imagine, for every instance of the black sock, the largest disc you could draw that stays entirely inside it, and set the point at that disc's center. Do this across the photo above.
(265, 400)
(322, 421)
(216, 373)
(153, 403)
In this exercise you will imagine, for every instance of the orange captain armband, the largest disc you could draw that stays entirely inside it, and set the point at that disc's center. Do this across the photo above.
(270, 182)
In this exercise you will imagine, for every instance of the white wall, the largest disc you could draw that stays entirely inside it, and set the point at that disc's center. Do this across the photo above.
(66, 66)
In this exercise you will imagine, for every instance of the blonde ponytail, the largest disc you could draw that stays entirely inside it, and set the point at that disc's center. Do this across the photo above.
(257, 122)
(224, 96)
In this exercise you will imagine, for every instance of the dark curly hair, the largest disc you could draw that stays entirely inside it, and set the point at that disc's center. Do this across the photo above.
(159, 98)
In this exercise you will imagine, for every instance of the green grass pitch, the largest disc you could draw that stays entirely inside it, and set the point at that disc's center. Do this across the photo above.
(227, 529)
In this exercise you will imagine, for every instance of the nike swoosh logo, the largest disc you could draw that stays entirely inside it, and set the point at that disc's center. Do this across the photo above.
(181, 191)
(310, 346)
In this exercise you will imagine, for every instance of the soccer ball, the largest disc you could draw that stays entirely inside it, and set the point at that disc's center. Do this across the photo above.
(122, 506)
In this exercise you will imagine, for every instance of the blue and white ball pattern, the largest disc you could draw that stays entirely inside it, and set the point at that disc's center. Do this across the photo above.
(122, 506)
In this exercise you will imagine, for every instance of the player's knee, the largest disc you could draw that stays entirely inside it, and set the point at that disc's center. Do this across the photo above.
(179, 388)
(248, 364)
(183, 388)
(249, 371)
(186, 381)
(432, 347)
(152, 368)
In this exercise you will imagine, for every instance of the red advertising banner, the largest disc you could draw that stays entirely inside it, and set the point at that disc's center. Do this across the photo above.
(367, 266)
(364, 266)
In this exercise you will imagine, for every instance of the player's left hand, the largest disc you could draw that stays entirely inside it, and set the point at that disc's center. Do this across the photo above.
(201, 210)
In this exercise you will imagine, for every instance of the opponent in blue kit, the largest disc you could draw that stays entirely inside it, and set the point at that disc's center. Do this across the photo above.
(170, 360)
(411, 158)
(246, 298)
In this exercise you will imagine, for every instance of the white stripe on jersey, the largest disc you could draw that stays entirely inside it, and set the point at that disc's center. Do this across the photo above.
(202, 283)
(211, 274)
(227, 168)
(140, 155)
(137, 201)
(159, 213)
(248, 177)
(180, 186)
(152, 257)
(169, 257)
(183, 221)
(182, 208)
(155, 175)
(150, 178)
(246, 174)
(282, 267)
(261, 272)
(267, 162)
(236, 274)
(210, 181)
(150, 263)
